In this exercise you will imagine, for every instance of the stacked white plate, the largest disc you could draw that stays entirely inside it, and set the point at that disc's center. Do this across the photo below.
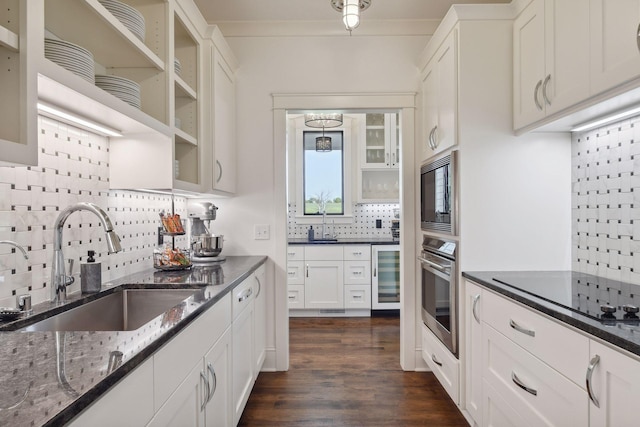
(177, 66)
(128, 16)
(124, 89)
(70, 56)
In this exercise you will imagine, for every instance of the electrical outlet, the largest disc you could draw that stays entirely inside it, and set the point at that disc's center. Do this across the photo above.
(261, 232)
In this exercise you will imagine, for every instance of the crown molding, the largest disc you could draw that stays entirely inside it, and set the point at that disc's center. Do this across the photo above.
(327, 28)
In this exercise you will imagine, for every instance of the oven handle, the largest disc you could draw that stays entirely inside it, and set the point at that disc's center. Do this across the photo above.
(433, 264)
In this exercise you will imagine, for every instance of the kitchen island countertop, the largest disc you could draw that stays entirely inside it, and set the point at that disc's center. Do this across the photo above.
(30, 394)
(619, 334)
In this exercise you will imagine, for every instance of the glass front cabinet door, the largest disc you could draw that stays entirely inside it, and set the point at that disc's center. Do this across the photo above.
(385, 278)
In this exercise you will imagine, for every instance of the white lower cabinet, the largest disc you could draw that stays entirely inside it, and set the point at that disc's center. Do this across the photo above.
(128, 403)
(243, 333)
(183, 380)
(473, 350)
(442, 363)
(615, 388)
(324, 284)
(534, 371)
(260, 319)
(329, 277)
(203, 398)
(540, 394)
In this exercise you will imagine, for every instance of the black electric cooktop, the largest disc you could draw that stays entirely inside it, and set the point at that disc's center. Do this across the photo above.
(606, 300)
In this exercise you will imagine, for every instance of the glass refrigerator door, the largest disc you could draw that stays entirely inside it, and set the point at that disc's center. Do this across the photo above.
(386, 277)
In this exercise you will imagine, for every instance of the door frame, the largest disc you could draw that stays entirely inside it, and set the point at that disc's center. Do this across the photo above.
(403, 102)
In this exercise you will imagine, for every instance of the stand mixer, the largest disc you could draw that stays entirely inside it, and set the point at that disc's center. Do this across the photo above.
(205, 246)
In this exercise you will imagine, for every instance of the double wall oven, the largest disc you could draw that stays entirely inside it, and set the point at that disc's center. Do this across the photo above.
(440, 290)
(439, 276)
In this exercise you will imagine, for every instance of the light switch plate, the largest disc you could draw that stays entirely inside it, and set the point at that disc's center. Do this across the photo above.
(261, 232)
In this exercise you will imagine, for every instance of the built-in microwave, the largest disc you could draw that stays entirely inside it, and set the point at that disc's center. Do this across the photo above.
(437, 201)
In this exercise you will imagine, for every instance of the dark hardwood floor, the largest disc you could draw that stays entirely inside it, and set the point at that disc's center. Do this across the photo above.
(346, 372)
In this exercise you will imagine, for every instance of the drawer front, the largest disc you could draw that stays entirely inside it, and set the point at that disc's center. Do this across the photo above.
(296, 296)
(357, 273)
(357, 296)
(541, 395)
(329, 252)
(558, 346)
(442, 363)
(242, 295)
(357, 252)
(295, 272)
(295, 253)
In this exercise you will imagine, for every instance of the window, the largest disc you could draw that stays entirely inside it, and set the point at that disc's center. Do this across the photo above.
(323, 189)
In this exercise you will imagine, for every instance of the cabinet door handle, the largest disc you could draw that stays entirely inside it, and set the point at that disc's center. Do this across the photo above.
(205, 379)
(246, 294)
(592, 365)
(474, 308)
(259, 287)
(375, 271)
(535, 95)
(638, 37)
(387, 158)
(307, 273)
(433, 357)
(292, 297)
(220, 173)
(519, 328)
(544, 89)
(435, 137)
(520, 384)
(431, 139)
(214, 384)
(393, 158)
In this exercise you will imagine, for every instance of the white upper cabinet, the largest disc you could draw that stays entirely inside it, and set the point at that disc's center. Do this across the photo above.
(168, 61)
(222, 121)
(615, 40)
(551, 58)
(381, 147)
(18, 133)
(439, 99)
(379, 140)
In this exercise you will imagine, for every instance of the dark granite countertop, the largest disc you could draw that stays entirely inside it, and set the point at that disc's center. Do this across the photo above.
(348, 241)
(620, 334)
(30, 393)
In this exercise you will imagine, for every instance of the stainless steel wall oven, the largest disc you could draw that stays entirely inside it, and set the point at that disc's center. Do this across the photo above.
(440, 290)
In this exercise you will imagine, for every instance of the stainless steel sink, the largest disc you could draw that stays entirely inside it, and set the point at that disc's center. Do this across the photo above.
(125, 310)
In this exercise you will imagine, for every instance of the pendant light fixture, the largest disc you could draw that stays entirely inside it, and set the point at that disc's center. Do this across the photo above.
(323, 120)
(350, 11)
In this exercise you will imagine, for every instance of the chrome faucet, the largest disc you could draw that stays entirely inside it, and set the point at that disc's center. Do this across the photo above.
(59, 278)
(14, 244)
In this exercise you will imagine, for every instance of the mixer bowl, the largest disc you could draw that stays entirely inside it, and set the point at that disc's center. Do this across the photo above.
(207, 245)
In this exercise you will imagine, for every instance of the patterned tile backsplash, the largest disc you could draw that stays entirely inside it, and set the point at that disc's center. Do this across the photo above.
(363, 224)
(606, 201)
(73, 166)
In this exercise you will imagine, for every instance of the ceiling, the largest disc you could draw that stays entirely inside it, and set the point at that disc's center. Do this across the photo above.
(231, 13)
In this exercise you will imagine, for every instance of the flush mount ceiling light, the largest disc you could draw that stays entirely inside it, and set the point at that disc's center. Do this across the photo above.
(323, 120)
(350, 11)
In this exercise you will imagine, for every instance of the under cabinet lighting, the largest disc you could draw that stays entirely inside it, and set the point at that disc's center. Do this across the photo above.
(59, 114)
(607, 119)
